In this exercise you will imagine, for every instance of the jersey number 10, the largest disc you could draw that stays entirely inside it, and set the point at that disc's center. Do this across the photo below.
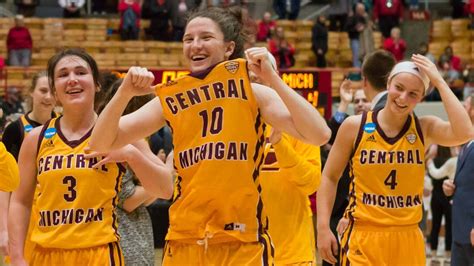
(213, 126)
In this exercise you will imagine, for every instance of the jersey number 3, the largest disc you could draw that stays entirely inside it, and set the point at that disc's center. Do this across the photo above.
(391, 180)
(71, 183)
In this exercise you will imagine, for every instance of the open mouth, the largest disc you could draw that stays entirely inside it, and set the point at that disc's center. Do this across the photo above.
(400, 106)
(74, 91)
(198, 58)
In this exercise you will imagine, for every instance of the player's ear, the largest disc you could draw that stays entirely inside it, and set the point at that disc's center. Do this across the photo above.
(229, 49)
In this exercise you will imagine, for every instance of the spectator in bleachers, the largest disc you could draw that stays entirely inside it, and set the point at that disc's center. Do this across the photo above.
(130, 11)
(454, 60)
(395, 44)
(355, 24)
(469, 81)
(281, 49)
(457, 8)
(423, 50)
(446, 69)
(19, 44)
(388, 14)
(280, 9)
(366, 37)
(179, 9)
(337, 14)
(72, 8)
(319, 41)
(266, 27)
(12, 103)
(26, 7)
(159, 13)
(251, 27)
(98, 7)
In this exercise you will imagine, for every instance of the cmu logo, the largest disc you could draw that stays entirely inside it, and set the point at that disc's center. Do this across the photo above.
(232, 67)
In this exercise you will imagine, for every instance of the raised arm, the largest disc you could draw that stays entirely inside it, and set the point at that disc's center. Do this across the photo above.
(21, 199)
(281, 106)
(338, 158)
(113, 131)
(459, 128)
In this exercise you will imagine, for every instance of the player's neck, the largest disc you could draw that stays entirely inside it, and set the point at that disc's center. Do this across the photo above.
(75, 124)
(39, 116)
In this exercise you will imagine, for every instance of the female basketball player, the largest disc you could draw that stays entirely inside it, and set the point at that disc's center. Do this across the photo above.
(386, 152)
(42, 104)
(217, 118)
(77, 223)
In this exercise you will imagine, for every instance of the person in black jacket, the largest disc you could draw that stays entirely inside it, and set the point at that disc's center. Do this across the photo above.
(320, 41)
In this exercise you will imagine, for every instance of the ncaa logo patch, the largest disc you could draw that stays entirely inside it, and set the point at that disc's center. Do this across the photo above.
(28, 128)
(232, 67)
(411, 138)
(50, 132)
(369, 127)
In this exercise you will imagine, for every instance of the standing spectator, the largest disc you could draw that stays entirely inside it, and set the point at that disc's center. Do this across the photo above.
(281, 49)
(98, 7)
(355, 24)
(457, 8)
(179, 10)
(283, 13)
(442, 167)
(129, 11)
(26, 7)
(366, 38)
(320, 41)
(462, 188)
(454, 60)
(266, 27)
(19, 44)
(388, 14)
(159, 13)
(72, 8)
(395, 44)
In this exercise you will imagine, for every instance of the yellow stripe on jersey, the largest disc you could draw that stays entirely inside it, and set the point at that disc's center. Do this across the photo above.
(9, 174)
(218, 137)
(387, 174)
(76, 205)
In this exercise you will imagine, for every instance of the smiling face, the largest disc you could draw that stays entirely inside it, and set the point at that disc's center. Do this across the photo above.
(42, 96)
(204, 45)
(73, 81)
(405, 90)
(361, 104)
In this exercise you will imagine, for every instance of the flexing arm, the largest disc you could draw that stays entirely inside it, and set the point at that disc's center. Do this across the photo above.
(459, 128)
(281, 106)
(303, 160)
(21, 200)
(112, 131)
(338, 158)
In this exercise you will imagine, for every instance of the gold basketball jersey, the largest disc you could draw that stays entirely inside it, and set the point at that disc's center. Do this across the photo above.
(290, 173)
(387, 174)
(9, 175)
(218, 137)
(76, 203)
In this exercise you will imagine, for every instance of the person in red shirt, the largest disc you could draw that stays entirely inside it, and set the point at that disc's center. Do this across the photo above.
(455, 61)
(395, 44)
(19, 44)
(266, 27)
(281, 49)
(388, 14)
(130, 12)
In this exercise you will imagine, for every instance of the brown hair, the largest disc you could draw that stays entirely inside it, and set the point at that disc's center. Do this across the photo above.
(134, 104)
(376, 68)
(34, 82)
(81, 53)
(230, 22)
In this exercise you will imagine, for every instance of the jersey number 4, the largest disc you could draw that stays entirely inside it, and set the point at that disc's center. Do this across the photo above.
(391, 180)
(213, 126)
(71, 183)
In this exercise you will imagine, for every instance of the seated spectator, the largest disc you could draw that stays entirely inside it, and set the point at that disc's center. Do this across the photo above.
(129, 11)
(469, 81)
(447, 71)
(12, 103)
(423, 50)
(19, 44)
(266, 27)
(72, 8)
(159, 13)
(454, 60)
(281, 49)
(395, 44)
(26, 7)
(319, 41)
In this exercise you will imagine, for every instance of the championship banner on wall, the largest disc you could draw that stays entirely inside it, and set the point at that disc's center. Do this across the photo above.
(314, 86)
